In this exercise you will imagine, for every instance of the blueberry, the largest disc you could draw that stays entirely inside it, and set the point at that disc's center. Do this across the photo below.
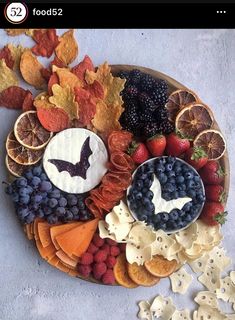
(181, 187)
(175, 195)
(47, 211)
(143, 176)
(164, 216)
(168, 167)
(174, 215)
(179, 179)
(188, 218)
(191, 193)
(190, 184)
(156, 218)
(30, 217)
(147, 183)
(182, 193)
(72, 200)
(141, 169)
(162, 225)
(169, 187)
(197, 179)
(171, 160)
(43, 176)
(142, 217)
(149, 195)
(170, 174)
(22, 212)
(198, 186)
(145, 190)
(133, 205)
(37, 198)
(172, 181)
(139, 185)
(162, 161)
(188, 206)
(188, 175)
(150, 207)
(160, 168)
(200, 198)
(40, 213)
(62, 202)
(185, 168)
(166, 196)
(174, 225)
(29, 189)
(150, 167)
(28, 174)
(177, 169)
(37, 171)
(162, 178)
(23, 191)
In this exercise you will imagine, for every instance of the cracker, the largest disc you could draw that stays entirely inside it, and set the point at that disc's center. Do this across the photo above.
(206, 298)
(144, 311)
(210, 278)
(162, 307)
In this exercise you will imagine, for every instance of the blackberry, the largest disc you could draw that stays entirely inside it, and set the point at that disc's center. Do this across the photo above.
(146, 103)
(124, 75)
(131, 119)
(161, 114)
(151, 129)
(147, 83)
(130, 92)
(131, 104)
(167, 127)
(146, 116)
(135, 76)
(159, 94)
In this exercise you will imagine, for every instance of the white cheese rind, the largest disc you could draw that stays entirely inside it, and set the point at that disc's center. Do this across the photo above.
(67, 145)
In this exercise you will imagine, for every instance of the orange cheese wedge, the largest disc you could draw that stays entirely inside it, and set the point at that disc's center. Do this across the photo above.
(76, 241)
(44, 233)
(57, 230)
(46, 253)
(71, 263)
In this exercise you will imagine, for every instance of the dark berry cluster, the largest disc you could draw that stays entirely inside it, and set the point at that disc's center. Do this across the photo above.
(34, 196)
(177, 180)
(144, 100)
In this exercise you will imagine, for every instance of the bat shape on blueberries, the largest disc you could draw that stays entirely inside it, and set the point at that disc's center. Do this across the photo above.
(80, 168)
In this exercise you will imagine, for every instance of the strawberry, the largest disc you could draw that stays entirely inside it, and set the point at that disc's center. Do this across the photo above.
(213, 213)
(156, 145)
(215, 193)
(138, 152)
(176, 144)
(196, 157)
(212, 173)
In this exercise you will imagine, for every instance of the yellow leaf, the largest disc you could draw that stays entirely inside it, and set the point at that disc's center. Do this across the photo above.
(67, 49)
(67, 78)
(112, 85)
(106, 117)
(64, 98)
(8, 77)
(16, 52)
(42, 101)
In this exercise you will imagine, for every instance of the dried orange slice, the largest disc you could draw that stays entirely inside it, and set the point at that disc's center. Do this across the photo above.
(160, 267)
(121, 274)
(193, 119)
(213, 142)
(178, 100)
(141, 276)
(19, 153)
(29, 131)
(15, 168)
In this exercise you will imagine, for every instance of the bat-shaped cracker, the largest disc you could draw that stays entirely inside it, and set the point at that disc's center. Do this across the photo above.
(78, 169)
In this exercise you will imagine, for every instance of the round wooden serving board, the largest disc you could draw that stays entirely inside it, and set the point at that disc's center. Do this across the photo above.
(173, 86)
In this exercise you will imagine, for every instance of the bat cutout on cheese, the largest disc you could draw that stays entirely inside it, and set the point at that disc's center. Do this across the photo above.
(81, 167)
(161, 205)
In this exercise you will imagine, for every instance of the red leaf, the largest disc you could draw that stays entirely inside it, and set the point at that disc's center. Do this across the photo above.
(80, 69)
(13, 97)
(47, 41)
(5, 54)
(53, 119)
(87, 106)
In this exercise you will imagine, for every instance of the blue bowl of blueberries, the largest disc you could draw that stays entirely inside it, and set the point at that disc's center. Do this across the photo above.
(167, 193)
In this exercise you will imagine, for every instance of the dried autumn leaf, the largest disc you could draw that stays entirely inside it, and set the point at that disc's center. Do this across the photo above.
(87, 105)
(57, 62)
(5, 54)
(15, 32)
(67, 49)
(16, 52)
(80, 69)
(30, 69)
(8, 77)
(13, 97)
(53, 80)
(64, 98)
(112, 85)
(53, 119)
(28, 102)
(42, 101)
(67, 78)
(46, 40)
(106, 117)
(96, 89)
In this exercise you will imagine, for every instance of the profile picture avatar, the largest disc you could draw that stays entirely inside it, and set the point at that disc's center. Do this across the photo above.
(16, 12)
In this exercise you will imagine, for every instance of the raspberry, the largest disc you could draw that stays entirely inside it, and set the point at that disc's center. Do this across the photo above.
(114, 251)
(97, 240)
(106, 248)
(98, 270)
(110, 262)
(122, 247)
(86, 258)
(92, 248)
(108, 277)
(100, 256)
(110, 242)
(84, 270)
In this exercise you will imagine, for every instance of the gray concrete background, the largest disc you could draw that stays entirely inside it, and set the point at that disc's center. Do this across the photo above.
(30, 289)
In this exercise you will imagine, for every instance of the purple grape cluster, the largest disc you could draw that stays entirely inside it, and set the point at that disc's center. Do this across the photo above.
(34, 196)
